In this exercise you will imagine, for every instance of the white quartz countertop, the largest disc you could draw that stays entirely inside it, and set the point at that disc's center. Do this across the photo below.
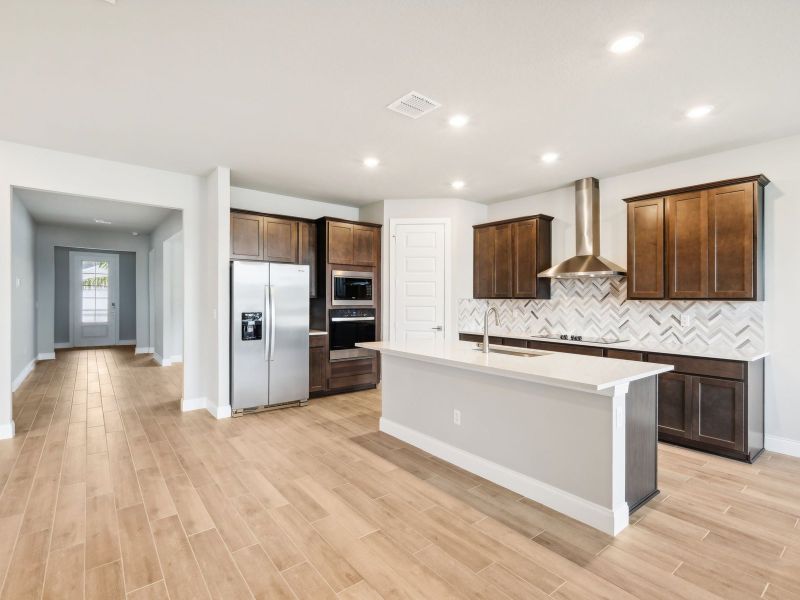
(574, 371)
(317, 332)
(691, 349)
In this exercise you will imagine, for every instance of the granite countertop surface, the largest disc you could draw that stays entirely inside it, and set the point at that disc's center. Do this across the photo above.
(560, 369)
(690, 349)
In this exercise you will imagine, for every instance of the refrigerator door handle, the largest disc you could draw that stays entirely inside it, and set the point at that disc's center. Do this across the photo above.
(271, 324)
(267, 302)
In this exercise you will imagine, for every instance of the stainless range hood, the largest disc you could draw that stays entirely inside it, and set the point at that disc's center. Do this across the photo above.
(587, 262)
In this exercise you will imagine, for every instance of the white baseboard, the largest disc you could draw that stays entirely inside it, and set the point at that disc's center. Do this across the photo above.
(219, 412)
(164, 362)
(782, 445)
(177, 358)
(26, 370)
(7, 430)
(62, 345)
(46, 356)
(188, 404)
(126, 343)
(143, 350)
(605, 519)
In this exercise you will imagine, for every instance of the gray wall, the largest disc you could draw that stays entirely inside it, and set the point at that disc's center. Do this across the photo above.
(48, 238)
(23, 298)
(126, 302)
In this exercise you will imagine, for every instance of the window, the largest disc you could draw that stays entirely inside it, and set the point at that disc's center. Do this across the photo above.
(94, 291)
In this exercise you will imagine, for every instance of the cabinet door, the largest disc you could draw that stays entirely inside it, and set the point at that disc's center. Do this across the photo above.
(525, 261)
(317, 366)
(280, 240)
(502, 261)
(340, 243)
(718, 414)
(687, 245)
(365, 246)
(731, 241)
(675, 404)
(646, 249)
(247, 236)
(483, 262)
(307, 253)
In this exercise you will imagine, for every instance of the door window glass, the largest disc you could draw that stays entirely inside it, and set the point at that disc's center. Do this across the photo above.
(94, 291)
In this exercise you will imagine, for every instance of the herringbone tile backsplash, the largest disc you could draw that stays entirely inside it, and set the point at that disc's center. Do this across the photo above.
(599, 307)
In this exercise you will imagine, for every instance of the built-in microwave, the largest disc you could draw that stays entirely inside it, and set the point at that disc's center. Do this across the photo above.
(352, 288)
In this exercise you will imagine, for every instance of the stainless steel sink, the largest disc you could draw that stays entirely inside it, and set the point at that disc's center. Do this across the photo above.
(521, 352)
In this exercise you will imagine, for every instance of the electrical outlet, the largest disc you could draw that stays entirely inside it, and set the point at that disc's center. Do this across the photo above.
(457, 416)
(686, 320)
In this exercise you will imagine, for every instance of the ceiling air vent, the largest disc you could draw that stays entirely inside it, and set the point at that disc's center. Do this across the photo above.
(413, 105)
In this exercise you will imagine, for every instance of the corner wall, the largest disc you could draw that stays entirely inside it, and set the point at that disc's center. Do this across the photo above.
(23, 290)
(278, 204)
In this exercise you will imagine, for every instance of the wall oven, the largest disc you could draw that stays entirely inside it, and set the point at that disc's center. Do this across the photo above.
(352, 288)
(349, 326)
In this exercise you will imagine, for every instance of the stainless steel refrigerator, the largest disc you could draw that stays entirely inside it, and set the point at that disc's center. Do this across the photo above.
(269, 335)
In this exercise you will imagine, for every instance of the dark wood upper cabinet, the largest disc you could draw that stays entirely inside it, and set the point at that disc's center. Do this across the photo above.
(687, 245)
(503, 261)
(366, 241)
(340, 243)
(307, 252)
(714, 242)
(507, 257)
(280, 240)
(646, 249)
(247, 236)
(731, 237)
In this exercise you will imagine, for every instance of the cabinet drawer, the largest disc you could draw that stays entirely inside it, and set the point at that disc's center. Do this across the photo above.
(317, 341)
(625, 354)
(348, 368)
(474, 337)
(516, 342)
(709, 367)
(569, 348)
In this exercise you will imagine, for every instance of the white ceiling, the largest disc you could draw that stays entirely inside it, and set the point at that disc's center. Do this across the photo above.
(80, 211)
(291, 94)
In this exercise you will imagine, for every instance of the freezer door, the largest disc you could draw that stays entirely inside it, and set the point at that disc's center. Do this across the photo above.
(288, 350)
(249, 334)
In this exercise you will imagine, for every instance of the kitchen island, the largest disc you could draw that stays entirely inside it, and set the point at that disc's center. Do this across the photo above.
(575, 433)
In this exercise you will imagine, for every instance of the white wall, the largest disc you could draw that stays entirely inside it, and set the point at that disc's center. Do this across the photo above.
(462, 214)
(779, 161)
(174, 330)
(277, 204)
(38, 168)
(50, 236)
(163, 279)
(23, 289)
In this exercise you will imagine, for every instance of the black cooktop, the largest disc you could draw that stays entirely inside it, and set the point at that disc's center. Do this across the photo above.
(579, 338)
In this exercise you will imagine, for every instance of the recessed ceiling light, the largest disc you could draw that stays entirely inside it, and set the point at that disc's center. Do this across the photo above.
(626, 43)
(698, 112)
(549, 157)
(102, 222)
(371, 162)
(458, 120)
(457, 184)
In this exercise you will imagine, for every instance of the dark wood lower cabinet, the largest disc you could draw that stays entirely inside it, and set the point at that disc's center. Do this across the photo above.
(675, 404)
(351, 374)
(317, 364)
(706, 404)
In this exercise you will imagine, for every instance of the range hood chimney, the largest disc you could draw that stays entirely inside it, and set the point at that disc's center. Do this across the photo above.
(587, 262)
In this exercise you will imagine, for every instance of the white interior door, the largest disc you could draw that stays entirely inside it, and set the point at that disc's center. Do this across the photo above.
(419, 290)
(95, 284)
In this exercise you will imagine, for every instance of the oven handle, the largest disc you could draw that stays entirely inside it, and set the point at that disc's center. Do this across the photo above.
(340, 319)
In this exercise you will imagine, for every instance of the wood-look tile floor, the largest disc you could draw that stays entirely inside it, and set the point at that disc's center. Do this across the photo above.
(109, 491)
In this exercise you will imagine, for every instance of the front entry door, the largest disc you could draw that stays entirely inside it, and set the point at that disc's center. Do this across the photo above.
(94, 283)
(418, 286)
